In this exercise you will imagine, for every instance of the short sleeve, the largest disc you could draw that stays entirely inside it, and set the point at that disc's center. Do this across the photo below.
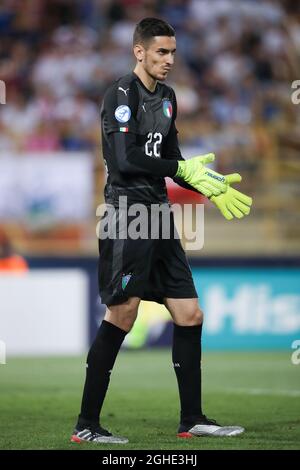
(119, 109)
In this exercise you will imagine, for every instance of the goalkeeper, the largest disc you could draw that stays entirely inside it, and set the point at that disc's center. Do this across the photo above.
(140, 148)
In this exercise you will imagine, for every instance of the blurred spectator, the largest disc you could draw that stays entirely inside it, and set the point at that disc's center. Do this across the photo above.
(44, 138)
(235, 63)
(229, 53)
(9, 260)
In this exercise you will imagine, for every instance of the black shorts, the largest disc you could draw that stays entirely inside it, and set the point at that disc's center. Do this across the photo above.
(150, 268)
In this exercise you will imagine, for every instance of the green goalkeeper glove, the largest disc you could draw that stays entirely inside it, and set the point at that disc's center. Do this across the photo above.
(206, 181)
(232, 203)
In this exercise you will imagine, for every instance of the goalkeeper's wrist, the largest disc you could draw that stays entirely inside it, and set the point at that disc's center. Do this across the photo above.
(180, 169)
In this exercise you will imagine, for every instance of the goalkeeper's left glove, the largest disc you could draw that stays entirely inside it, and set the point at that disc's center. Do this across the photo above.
(232, 203)
(204, 180)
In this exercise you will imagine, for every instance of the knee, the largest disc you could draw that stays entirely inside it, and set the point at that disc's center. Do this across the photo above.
(127, 319)
(193, 316)
(123, 316)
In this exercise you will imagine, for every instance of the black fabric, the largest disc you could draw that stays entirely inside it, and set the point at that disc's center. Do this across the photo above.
(172, 151)
(186, 356)
(133, 161)
(150, 268)
(143, 149)
(123, 92)
(100, 361)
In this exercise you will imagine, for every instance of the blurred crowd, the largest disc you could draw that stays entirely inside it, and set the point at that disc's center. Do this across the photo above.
(235, 64)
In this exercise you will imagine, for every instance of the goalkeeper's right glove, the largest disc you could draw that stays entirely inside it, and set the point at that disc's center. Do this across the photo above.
(206, 181)
(232, 203)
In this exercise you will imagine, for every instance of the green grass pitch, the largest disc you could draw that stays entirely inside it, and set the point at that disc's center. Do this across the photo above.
(40, 397)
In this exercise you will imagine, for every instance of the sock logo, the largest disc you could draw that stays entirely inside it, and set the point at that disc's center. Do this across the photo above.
(176, 364)
(125, 279)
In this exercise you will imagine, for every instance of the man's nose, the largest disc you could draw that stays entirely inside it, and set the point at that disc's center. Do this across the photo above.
(170, 59)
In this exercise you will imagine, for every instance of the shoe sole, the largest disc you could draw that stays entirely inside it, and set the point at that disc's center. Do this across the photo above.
(75, 439)
(225, 431)
(185, 435)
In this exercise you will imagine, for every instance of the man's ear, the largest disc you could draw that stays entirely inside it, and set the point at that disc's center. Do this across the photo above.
(139, 52)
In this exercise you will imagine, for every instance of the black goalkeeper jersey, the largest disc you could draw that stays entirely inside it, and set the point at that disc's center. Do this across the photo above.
(139, 140)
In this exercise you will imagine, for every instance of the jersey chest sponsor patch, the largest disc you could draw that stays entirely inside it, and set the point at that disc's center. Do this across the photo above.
(123, 113)
(167, 108)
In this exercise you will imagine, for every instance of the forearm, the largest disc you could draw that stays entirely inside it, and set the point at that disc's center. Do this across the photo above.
(172, 152)
(132, 160)
(184, 185)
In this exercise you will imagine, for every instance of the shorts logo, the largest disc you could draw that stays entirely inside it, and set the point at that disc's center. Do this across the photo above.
(122, 113)
(167, 108)
(125, 279)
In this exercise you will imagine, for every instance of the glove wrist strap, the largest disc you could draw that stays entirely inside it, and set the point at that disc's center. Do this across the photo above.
(179, 172)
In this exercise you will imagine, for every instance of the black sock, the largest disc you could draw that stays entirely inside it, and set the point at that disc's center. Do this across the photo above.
(100, 361)
(186, 356)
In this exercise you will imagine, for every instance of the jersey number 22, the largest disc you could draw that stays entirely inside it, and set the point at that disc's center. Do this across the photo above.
(152, 146)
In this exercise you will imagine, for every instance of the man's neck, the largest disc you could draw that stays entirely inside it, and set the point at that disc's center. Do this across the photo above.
(145, 78)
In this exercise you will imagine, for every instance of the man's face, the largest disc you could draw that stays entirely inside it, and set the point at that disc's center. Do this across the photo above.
(158, 57)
